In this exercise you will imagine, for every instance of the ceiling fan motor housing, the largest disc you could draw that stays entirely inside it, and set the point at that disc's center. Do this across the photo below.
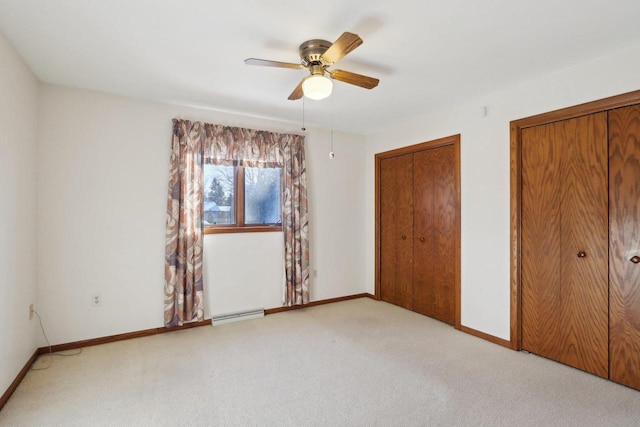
(312, 50)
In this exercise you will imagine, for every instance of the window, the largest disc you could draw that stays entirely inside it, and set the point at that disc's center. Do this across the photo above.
(242, 199)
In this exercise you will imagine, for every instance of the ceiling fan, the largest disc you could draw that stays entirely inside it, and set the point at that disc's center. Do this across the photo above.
(316, 56)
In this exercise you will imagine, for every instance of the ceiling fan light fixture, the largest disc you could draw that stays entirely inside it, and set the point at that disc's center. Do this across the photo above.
(317, 87)
(316, 56)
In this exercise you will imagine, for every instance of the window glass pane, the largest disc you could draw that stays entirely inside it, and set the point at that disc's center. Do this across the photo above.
(219, 184)
(262, 195)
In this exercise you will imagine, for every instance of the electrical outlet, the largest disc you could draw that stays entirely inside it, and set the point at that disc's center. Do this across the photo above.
(315, 274)
(96, 300)
(30, 311)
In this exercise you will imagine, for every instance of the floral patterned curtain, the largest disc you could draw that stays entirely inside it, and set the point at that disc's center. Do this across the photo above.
(232, 146)
(183, 293)
(192, 143)
(295, 223)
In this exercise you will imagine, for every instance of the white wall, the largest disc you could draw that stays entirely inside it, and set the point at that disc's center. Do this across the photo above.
(256, 284)
(485, 170)
(102, 197)
(18, 114)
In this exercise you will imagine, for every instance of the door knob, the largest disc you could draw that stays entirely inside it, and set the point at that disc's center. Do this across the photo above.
(422, 239)
(635, 259)
(581, 254)
(403, 237)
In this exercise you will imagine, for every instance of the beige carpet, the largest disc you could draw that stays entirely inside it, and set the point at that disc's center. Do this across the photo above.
(359, 362)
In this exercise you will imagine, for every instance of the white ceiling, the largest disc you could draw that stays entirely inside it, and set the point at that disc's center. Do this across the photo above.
(425, 53)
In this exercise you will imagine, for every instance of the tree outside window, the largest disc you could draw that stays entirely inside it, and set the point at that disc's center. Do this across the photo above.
(242, 197)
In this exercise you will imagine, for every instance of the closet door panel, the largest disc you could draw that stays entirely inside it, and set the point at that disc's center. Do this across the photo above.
(444, 232)
(564, 242)
(541, 279)
(435, 233)
(396, 230)
(424, 293)
(584, 244)
(624, 244)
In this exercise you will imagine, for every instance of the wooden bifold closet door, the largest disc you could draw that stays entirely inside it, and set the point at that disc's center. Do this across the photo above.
(396, 234)
(434, 227)
(580, 242)
(418, 229)
(624, 246)
(565, 242)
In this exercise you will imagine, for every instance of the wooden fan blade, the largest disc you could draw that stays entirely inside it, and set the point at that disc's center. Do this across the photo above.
(297, 92)
(341, 47)
(267, 63)
(354, 79)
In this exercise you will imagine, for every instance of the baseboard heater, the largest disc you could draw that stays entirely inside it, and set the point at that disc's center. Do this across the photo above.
(220, 319)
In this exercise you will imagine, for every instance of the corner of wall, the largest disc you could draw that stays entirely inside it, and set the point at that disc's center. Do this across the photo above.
(18, 284)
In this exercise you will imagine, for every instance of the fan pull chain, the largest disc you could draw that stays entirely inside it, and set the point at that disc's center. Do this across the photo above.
(331, 153)
(303, 127)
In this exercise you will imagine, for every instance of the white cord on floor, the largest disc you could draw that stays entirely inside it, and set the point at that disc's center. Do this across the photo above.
(49, 345)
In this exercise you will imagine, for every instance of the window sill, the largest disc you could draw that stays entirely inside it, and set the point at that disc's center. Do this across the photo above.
(248, 229)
